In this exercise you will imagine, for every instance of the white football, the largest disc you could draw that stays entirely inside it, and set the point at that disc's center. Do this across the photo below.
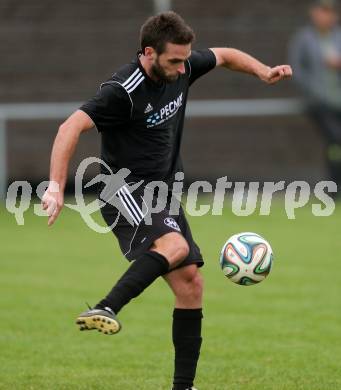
(246, 258)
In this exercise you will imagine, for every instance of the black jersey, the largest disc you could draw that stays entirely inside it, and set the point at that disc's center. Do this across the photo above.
(141, 121)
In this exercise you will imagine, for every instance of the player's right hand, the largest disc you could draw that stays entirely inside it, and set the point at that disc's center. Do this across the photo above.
(52, 202)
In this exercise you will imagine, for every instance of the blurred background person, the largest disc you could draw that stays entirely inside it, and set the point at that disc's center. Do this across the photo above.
(315, 55)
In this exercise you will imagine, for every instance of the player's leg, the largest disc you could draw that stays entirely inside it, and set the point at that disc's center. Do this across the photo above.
(156, 248)
(187, 286)
(166, 253)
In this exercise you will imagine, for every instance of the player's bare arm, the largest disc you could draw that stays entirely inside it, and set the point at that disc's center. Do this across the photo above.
(242, 62)
(62, 151)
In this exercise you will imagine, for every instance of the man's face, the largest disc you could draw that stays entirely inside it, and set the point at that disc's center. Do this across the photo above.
(171, 63)
(324, 18)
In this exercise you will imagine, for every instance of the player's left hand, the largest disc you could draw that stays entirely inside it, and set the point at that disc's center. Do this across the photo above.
(273, 75)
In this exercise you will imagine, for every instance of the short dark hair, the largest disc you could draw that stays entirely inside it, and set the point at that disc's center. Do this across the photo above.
(167, 27)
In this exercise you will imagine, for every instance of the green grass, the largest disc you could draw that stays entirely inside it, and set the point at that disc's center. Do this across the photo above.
(281, 334)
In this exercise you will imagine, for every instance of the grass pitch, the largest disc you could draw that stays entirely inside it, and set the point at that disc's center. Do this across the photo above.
(281, 334)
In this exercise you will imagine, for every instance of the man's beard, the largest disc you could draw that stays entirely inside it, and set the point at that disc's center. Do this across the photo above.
(160, 74)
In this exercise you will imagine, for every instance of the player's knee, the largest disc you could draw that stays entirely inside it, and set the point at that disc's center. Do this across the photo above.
(182, 249)
(197, 286)
(191, 287)
(174, 247)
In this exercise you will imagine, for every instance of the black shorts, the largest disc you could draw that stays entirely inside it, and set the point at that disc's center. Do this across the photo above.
(136, 233)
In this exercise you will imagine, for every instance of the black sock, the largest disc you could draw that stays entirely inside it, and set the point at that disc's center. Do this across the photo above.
(139, 276)
(187, 342)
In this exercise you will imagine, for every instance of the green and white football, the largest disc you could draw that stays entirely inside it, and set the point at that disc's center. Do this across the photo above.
(246, 258)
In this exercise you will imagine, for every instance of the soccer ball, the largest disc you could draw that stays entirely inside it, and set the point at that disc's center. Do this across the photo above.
(246, 258)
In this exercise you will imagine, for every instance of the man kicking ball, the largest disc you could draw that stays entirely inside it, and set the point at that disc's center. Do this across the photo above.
(140, 114)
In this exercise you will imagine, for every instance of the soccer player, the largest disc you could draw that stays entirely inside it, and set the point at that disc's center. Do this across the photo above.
(140, 113)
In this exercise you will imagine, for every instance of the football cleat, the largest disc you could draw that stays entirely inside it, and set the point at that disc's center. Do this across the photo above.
(104, 320)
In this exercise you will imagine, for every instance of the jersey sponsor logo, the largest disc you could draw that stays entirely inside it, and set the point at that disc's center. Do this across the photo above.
(148, 108)
(166, 112)
(171, 222)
